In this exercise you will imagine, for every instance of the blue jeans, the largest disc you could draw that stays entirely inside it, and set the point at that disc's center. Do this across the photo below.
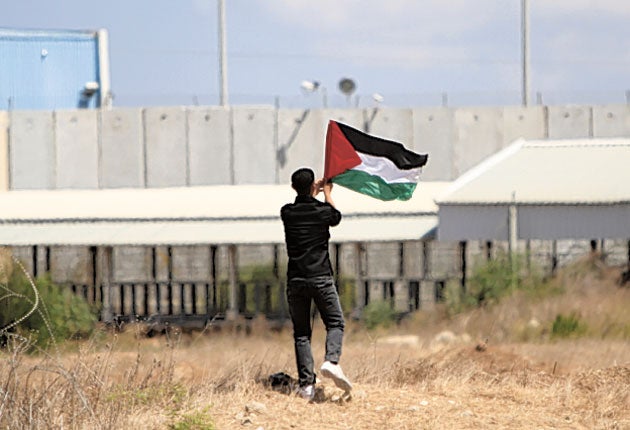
(300, 293)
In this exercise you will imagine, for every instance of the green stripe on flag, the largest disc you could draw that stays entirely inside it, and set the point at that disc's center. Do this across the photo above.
(374, 186)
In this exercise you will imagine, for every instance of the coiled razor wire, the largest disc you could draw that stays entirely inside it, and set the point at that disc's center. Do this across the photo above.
(14, 294)
(37, 306)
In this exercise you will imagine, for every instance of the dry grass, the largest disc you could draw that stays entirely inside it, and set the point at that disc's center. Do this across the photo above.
(188, 381)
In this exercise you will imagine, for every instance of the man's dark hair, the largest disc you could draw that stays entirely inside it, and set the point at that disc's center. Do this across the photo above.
(302, 181)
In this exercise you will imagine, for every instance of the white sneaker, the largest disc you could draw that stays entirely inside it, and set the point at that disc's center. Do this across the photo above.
(307, 392)
(333, 371)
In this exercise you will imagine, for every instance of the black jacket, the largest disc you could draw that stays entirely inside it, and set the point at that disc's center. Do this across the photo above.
(306, 224)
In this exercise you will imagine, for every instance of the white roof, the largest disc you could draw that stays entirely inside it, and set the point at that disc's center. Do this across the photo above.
(199, 215)
(576, 171)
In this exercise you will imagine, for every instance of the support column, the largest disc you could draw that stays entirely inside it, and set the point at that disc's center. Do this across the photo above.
(554, 257)
(232, 310)
(426, 260)
(463, 263)
(211, 303)
(104, 279)
(360, 275)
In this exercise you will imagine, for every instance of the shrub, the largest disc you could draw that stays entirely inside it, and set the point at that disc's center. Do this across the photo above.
(199, 420)
(494, 279)
(60, 314)
(567, 326)
(378, 313)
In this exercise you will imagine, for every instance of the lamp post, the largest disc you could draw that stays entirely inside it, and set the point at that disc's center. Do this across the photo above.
(313, 86)
(525, 50)
(223, 98)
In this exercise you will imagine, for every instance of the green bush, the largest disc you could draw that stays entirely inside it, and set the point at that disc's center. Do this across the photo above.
(378, 313)
(197, 420)
(494, 279)
(61, 314)
(567, 326)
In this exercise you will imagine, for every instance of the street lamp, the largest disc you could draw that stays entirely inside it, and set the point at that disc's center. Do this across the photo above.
(314, 86)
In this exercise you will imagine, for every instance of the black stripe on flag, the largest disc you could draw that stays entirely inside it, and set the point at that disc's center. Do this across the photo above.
(372, 145)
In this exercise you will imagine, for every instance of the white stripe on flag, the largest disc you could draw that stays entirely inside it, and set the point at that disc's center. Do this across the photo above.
(383, 167)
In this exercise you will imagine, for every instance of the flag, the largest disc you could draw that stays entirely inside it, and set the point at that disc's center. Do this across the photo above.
(370, 165)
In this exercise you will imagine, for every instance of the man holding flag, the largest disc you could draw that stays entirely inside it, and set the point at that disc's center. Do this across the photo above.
(367, 164)
(310, 278)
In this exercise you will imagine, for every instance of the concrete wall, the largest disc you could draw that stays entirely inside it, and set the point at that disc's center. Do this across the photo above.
(178, 146)
(209, 137)
(76, 140)
(4, 151)
(569, 122)
(121, 156)
(166, 147)
(254, 145)
(32, 150)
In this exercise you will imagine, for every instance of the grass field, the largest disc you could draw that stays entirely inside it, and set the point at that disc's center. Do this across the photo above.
(493, 367)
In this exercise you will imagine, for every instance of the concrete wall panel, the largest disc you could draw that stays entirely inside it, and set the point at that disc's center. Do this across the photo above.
(191, 263)
(71, 264)
(611, 121)
(352, 117)
(434, 135)
(444, 260)
(165, 147)
(4, 151)
(32, 150)
(301, 139)
(347, 261)
(312, 149)
(413, 259)
(121, 149)
(161, 263)
(24, 254)
(567, 122)
(76, 143)
(255, 255)
(523, 122)
(390, 124)
(254, 145)
(383, 260)
(479, 134)
(131, 264)
(209, 143)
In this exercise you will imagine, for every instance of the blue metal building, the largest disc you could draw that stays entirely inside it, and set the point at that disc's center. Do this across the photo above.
(53, 69)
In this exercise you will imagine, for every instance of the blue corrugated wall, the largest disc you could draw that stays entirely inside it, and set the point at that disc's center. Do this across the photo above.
(47, 69)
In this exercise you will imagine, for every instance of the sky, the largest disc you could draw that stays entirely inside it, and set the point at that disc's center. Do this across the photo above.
(411, 52)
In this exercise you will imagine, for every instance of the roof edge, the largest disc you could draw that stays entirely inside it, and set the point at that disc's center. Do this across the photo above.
(480, 168)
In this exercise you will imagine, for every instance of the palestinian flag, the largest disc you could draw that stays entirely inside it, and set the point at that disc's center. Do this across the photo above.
(370, 165)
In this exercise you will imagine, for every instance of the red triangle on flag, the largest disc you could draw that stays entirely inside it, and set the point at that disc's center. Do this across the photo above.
(340, 154)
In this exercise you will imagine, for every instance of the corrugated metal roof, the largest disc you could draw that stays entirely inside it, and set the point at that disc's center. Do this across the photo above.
(576, 171)
(199, 215)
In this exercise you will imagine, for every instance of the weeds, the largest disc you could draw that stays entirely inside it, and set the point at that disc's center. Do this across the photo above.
(195, 420)
(568, 326)
(378, 314)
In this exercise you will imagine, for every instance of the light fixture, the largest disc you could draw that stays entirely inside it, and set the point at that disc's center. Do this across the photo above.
(347, 86)
(89, 89)
(315, 86)
(309, 86)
